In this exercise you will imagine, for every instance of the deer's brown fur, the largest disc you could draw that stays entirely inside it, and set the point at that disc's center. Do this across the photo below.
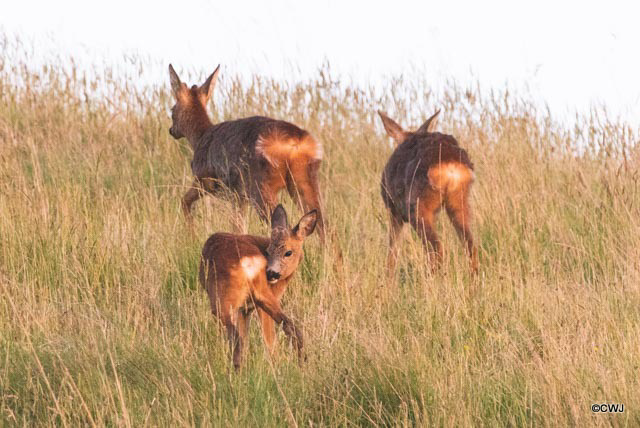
(253, 158)
(427, 170)
(243, 273)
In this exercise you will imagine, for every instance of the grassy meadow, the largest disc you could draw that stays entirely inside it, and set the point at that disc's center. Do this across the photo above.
(102, 320)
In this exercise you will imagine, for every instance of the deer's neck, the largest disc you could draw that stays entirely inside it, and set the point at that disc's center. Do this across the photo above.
(198, 125)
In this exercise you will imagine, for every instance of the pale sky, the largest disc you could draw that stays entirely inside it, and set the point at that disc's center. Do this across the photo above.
(572, 54)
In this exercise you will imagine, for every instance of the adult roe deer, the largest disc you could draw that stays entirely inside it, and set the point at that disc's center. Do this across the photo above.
(254, 157)
(426, 171)
(244, 272)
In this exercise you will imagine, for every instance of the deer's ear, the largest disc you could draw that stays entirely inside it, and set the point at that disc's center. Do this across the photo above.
(206, 90)
(279, 218)
(306, 225)
(394, 130)
(176, 84)
(429, 124)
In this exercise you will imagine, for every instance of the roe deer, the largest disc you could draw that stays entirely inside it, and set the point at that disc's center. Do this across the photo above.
(426, 171)
(253, 158)
(244, 272)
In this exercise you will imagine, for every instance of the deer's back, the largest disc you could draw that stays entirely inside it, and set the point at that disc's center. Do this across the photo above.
(406, 176)
(223, 253)
(227, 151)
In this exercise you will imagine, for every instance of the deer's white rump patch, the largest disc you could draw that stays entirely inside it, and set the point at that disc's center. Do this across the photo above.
(252, 266)
(449, 176)
(276, 150)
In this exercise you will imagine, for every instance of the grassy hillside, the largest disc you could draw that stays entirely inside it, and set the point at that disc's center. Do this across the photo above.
(102, 320)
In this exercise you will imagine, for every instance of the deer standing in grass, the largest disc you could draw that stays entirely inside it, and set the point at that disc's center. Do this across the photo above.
(242, 273)
(426, 171)
(253, 158)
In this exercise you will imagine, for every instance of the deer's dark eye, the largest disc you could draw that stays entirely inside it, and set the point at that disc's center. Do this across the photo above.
(288, 253)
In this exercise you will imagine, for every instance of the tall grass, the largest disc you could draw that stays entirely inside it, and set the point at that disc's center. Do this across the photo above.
(102, 320)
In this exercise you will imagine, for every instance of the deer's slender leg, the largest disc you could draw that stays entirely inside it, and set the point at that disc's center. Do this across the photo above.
(424, 224)
(302, 185)
(264, 196)
(236, 341)
(396, 227)
(194, 193)
(459, 211)
(268, 330)
(266, 301)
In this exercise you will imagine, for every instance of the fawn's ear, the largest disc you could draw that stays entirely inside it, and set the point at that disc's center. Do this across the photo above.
(176, 84)
(429, 124)
(206, 89)
(279, 218)
(394, 130)
(306, 225)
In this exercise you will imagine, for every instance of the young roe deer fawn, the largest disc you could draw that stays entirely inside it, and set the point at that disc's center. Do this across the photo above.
(426, 171)
(243, 272)
(253, 158)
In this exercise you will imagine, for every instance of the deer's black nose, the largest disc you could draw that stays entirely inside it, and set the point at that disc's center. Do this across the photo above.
(272, 275)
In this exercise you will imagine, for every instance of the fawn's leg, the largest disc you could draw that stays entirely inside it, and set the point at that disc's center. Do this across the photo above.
(244, 320)
(266, 301)
(268, 330)
(233, 325)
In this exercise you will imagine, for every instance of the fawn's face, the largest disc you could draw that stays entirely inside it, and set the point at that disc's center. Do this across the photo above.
(285, 249)
(191, 104)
